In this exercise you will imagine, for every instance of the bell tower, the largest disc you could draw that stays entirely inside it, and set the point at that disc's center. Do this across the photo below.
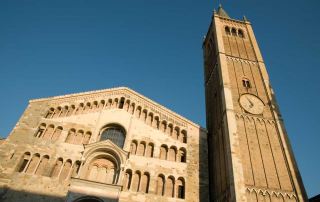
(250, 157)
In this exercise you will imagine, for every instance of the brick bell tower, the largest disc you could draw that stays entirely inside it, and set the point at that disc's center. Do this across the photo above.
(250, 157)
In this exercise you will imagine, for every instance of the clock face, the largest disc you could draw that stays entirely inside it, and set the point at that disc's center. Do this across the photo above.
(251, 103)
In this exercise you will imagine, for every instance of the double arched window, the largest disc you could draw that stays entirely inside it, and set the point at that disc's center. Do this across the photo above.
(114, 133)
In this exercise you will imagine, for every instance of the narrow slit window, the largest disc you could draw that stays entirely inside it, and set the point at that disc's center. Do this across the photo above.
(246, 83)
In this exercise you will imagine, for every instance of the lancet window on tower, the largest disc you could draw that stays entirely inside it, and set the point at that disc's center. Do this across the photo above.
(246, 83)
(227, 29)
(234, 32)
(240, 33)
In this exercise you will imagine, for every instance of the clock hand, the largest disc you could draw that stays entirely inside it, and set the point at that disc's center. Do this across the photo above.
(251, 103)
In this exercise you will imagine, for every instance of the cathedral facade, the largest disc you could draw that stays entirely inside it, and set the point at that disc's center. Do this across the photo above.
(118, 145)
(108, 145)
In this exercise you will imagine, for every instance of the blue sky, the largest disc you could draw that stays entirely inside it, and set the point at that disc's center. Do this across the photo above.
(57, 47)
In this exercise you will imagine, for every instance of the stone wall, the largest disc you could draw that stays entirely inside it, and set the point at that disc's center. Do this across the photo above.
(52, 161)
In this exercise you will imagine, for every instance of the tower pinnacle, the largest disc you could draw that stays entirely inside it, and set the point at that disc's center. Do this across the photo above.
(222, 12)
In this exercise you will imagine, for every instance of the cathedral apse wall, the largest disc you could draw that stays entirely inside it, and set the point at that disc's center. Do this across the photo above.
(109, 145)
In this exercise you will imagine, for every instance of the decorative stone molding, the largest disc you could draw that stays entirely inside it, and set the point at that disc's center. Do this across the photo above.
(233, 22)
(138, 99)
(271, 192)
(86, 187)
(105, 146)
(255, 118)
(230, 21)
(241, 60)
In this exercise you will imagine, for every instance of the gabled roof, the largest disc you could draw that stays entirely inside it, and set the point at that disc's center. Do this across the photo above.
(118, 91)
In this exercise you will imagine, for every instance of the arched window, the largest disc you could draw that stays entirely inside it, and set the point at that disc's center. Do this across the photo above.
(115, 103)
(121, 104)
(169, 192)
(101, 104)
(180, 188)
(115, 133)
(95, 106)
(109, 104)
(87, 107)
(132, 107)
(127, 105)
(227, 29)
(80, 108)
(76, 168)
(183, 136)
(79, 137)
(41, 130)
(43, 165)
(163, 152)
(136, 181)
(50, 113)
(240, 33)
(93, 173)
(48, 133)
(57, 132)
(234, 32)
(57, 167)
(170, 129)
(149, 152)
(24, 162)
(71, 136)
(145, 180)
(133, 147)
(64, 111)
(144, 115)
(182, 155)
(71, 110)
(156, 122)
(87, 137)
(160, 185)
(176, 133)
(163, 127)
(103, 169)
(138, 112)
(66, 170)
(150, 119)
(57, 112)
(172, 154)
(141, 149)
(33, 164)
(127, 180)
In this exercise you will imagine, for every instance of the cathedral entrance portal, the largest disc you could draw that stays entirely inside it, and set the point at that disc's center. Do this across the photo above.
(99, 175)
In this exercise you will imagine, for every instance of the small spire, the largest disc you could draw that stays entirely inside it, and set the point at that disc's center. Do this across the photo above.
(245, 18)
(222, 12)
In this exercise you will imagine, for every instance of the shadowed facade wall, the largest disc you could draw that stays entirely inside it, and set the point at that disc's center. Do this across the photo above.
(56, 151)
